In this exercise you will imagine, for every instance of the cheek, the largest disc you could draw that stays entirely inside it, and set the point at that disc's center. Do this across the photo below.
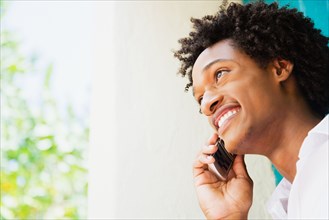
(256, 94)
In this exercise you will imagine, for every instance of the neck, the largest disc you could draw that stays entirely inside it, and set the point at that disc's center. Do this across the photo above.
(293, 130)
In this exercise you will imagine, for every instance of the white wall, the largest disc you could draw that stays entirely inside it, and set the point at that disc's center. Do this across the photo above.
(145, 130)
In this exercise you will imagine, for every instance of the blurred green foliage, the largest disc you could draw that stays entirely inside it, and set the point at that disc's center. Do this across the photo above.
(43, 151)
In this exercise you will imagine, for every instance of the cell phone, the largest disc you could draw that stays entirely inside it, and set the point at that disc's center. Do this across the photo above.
(223, 160)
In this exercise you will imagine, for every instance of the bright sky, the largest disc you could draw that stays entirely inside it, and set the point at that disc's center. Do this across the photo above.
(59, 32)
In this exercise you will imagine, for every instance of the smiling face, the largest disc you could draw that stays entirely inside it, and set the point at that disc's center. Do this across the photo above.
(241, 100)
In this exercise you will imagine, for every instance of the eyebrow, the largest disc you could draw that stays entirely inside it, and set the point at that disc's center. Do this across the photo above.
(205, 68)
(213, 62)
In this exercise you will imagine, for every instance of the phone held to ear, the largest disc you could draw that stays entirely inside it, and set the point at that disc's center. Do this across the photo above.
(223, 161)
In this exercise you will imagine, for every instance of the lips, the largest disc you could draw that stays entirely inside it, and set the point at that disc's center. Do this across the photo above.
(224, 113)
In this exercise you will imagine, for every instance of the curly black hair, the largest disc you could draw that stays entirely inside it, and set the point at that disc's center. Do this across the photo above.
(265, 32)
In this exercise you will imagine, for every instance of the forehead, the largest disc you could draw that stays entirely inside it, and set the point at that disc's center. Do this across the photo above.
(222, 50)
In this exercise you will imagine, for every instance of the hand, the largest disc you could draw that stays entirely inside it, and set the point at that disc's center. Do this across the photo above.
(230, 199)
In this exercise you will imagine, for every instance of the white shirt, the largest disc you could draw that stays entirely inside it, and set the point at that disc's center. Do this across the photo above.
(307, 196)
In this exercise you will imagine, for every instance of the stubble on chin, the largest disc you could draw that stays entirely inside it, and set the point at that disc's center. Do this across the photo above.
(242, 144)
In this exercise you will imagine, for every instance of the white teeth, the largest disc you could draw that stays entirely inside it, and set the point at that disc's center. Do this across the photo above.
(226, 116)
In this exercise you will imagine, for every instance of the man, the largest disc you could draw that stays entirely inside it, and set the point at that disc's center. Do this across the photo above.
(260, 75)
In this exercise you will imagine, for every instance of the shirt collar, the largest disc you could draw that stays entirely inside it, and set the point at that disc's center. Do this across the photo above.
(277, 204)
(315, 136)
(322, 127)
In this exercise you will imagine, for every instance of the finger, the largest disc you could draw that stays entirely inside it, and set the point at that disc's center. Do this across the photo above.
(207, 159)
(212, 140)
(209, 149)
(201, 163)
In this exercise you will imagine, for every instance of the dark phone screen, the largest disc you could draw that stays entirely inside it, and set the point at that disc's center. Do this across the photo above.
(223, 159)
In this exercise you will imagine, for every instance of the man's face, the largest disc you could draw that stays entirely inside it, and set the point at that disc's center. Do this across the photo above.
(241, 100)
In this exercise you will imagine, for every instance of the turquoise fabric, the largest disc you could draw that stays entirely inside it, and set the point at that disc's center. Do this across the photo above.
(318, 11)
(277, 175)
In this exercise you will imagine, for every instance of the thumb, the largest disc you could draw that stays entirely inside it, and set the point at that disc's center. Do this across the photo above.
(239, 167)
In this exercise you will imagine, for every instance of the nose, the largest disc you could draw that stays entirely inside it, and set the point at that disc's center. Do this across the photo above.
(210, 102)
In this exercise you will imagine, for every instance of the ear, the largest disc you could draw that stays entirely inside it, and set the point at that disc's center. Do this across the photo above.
(282, 69)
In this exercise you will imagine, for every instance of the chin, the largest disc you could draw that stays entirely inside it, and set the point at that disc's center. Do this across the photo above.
(231, 145)
(236, 143)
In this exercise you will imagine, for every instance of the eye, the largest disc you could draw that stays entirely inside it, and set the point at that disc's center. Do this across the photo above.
(220, 73)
